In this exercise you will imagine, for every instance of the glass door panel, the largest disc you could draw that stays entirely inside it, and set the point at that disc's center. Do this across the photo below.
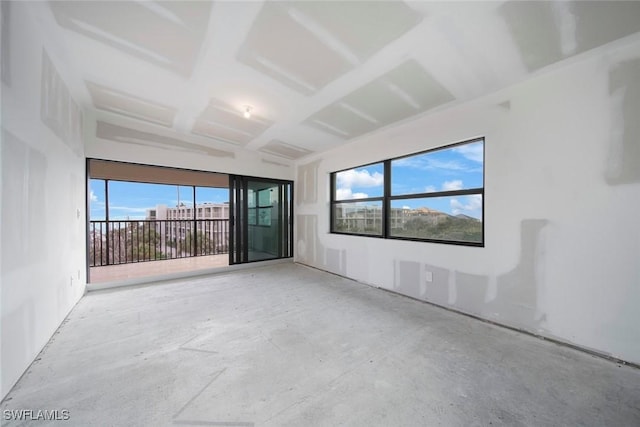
(262, 227)
(265, 222)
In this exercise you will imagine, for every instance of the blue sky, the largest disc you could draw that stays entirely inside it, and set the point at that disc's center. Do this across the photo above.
(130, 200)
(455, 168)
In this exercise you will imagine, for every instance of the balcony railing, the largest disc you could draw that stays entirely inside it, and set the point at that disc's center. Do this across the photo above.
(122, 242)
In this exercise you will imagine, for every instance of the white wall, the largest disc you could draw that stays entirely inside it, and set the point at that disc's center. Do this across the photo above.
(562, 196)
(42, 243)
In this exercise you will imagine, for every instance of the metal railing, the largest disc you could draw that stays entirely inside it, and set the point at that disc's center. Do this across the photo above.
(123, 242)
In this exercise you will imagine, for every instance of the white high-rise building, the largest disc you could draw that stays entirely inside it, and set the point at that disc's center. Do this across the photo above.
(211, 223)
(203, 211)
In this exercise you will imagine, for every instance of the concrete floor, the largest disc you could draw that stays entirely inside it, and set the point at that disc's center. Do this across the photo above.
(286, 345)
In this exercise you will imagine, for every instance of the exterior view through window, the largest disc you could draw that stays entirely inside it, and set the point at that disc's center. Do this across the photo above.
(155, 221)
(434, 196)
(147, 220)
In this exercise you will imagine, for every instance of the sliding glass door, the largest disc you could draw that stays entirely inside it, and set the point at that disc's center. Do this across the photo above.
(261, 222)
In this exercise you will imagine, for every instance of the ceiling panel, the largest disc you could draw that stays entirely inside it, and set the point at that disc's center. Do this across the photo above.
(121, 103)
(221, 133)
(168, 34)
(282, 149)
(533, 29)
(223, 122)
(306, 45)
(363, 27)
(322, 72)
(594, 22)
(283, 49)
(547, 32)
(128, 135)
(403, 92)
(340, 121)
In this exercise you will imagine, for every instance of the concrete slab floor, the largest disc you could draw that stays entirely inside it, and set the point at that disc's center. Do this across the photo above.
(287, 345)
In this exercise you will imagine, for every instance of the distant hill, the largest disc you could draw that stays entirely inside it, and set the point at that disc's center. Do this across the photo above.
(463, 216)
(432, 224)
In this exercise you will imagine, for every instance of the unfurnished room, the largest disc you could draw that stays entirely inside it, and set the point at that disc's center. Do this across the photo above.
(320, 213)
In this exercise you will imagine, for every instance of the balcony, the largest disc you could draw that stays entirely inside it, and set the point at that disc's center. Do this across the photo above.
(121, 250)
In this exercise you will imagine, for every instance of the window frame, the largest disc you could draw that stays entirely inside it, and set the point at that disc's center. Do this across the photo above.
(387, 198)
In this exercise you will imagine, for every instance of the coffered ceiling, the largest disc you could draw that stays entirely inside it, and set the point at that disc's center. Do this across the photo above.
(315, 74)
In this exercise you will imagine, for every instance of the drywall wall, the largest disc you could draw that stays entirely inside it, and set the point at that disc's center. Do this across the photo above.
(562, 195)
(42, 195)
(117, 138)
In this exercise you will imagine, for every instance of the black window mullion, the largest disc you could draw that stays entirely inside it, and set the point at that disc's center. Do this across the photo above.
(332, 214)
(386, 203)
(452, 193)
(368, 199)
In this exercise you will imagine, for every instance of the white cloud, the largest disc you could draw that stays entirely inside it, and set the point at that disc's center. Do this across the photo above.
(93, 197)
(451, 165)
(430, 189)
(472, 205)
(472, 152)
(356, 178)
(406, 207)
(346, 194)
(429, 163)
(361, 178)
(456, 184)
(409, 162)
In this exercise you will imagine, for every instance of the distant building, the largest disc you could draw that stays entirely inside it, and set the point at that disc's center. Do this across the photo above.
(178, 222)
(184, 212)
(357, 217)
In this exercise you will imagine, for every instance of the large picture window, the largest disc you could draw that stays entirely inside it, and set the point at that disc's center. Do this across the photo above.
(435, 196)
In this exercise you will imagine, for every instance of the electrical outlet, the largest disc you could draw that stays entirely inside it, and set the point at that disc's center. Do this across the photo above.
(429, 276)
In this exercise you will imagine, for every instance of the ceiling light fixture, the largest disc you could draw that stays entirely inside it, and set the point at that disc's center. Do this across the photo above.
(247, 112)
